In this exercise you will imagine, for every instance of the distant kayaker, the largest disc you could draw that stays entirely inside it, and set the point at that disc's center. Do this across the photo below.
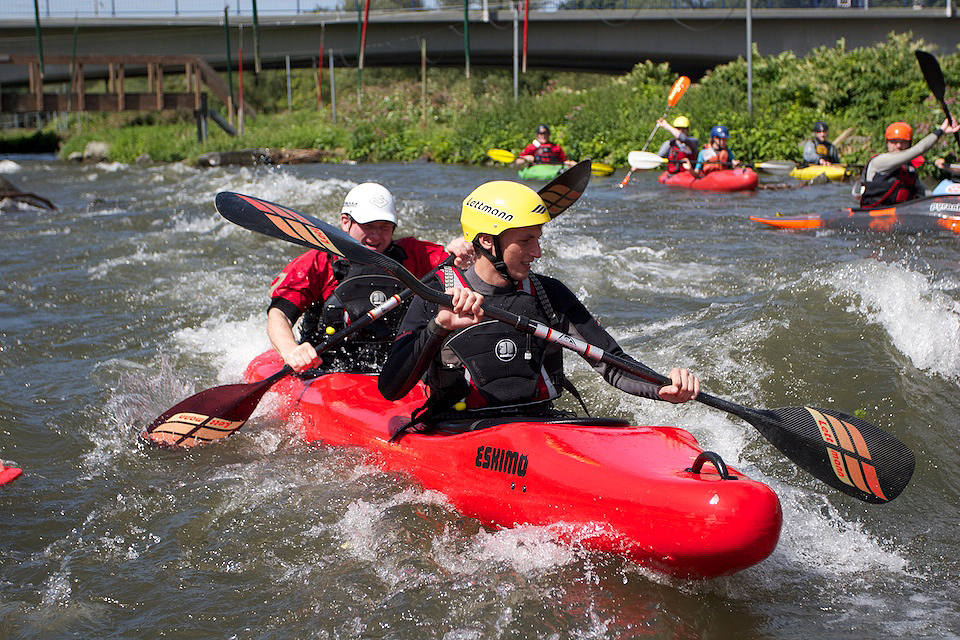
(542, 151)
(948, 171)
(475, 364)
(819, 150)
(716, 155)
(331, 293)
(680, 152)
(891, 177)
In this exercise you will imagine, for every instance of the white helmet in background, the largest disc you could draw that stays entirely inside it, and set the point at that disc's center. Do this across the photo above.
(369, 202)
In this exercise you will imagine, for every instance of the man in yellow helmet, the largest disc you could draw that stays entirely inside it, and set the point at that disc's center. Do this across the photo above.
(680, 151)
(475, 364)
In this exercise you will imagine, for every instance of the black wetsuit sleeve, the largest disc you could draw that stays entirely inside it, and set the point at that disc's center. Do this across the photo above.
(578, 322)
(418, 341)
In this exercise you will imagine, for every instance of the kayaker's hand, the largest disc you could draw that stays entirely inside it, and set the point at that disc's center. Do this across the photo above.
(824, 162)
(939, 163)
(304, 356)
(686, 386)
(734, 163)
(466, 310)
(950, 127)
(463, 250)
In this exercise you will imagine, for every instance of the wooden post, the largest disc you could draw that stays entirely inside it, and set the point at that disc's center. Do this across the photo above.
(121, 96)
(36, 84)
(111, 78)
(150, 77)
(159, 75)
(196, 85)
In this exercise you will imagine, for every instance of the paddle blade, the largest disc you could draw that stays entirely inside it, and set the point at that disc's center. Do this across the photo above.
(601, 169)
(932, 73)
(776, 167)
(644, 160)
(849, 454)
(501, 155)
(677, 90)
(566, 188)
(212, 414)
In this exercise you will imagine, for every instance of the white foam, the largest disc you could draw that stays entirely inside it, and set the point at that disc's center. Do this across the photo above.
(232, 344)
(923, 323)
(9, 166)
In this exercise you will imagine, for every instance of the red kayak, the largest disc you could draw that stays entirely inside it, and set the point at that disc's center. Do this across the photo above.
(935, 213)
(637, 491)
(720, 180)
(8, 474)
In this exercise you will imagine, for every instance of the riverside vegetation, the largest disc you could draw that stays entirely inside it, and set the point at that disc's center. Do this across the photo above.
(596, 116)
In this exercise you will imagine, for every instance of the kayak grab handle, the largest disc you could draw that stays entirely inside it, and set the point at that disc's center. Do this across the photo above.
(715, 460)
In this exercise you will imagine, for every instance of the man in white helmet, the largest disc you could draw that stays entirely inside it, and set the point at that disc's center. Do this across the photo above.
(331, 293)
(473, 364)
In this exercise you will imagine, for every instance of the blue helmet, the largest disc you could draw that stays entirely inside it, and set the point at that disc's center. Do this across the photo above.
(720, 131)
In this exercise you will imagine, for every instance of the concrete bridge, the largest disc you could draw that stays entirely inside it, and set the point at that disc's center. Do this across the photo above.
(609, 40)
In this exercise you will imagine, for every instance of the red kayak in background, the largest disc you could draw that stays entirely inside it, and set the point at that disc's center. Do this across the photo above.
(650, 494)
(8, 474)
(720, 180)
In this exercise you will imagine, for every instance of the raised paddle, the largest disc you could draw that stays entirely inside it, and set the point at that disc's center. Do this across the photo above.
(847, 453)
(676, 91)
(219, 412)
(502, 155)
(938, 86)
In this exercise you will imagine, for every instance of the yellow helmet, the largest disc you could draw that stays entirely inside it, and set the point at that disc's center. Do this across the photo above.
(681, 122)
(494, 207)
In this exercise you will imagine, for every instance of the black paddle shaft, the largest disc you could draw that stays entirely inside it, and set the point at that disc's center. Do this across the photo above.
(847, 453)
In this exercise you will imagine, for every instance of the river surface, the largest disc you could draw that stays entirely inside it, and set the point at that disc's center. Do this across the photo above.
(135, 294)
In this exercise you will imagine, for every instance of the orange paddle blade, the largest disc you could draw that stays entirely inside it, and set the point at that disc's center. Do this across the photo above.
(678, 89)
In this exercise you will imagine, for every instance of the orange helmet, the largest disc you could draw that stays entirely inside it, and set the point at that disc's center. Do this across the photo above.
(899, 131)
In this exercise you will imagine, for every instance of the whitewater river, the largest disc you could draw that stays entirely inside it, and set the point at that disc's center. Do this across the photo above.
(135, 294)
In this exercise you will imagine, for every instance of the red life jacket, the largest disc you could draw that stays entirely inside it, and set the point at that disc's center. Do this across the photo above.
(676, 155)
(547, 153)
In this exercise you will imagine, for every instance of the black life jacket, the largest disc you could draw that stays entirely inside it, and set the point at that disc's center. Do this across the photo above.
(892, 187)
(677, 153)
(361, 288)
(548, 153)
(501, 365)
(826, 151)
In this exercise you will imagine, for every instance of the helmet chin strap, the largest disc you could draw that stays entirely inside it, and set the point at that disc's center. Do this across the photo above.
(498, 263)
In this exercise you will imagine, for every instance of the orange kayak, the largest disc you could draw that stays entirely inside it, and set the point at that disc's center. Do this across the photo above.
(935, 213)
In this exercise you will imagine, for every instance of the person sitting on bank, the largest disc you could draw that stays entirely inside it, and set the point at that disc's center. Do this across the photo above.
(680, 151)
(819, 150)
(542, 151)
(474, 364)
(332, 292)
(716, 155)
(891, 177)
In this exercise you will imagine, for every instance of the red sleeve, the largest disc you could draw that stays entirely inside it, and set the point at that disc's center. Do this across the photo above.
(560, 153)
(529, 150)
(421, 256)
(305, 280)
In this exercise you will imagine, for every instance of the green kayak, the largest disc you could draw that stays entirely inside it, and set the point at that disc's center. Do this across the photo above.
(540, 172)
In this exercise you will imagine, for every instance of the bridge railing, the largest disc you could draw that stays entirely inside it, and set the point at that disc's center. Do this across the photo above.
(60, 9)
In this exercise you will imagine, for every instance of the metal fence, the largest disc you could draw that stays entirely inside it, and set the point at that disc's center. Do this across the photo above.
(21, 9)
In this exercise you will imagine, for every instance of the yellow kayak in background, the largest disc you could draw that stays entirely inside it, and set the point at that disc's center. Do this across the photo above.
(834, 172)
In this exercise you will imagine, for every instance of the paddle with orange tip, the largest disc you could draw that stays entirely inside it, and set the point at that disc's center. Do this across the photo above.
(845, 452)
(676, 92)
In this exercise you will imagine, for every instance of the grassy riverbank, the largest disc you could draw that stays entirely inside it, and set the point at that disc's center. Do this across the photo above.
(601, 117)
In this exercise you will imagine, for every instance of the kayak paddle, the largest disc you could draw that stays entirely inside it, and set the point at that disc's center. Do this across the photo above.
(776, 167)
(502, 155)
(219, 412)
(845, 452)
(676, 92)
(644, 160)
(214, 414)
(934, 77)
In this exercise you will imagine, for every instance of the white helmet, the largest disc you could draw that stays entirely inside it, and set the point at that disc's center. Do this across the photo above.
(368, 202)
